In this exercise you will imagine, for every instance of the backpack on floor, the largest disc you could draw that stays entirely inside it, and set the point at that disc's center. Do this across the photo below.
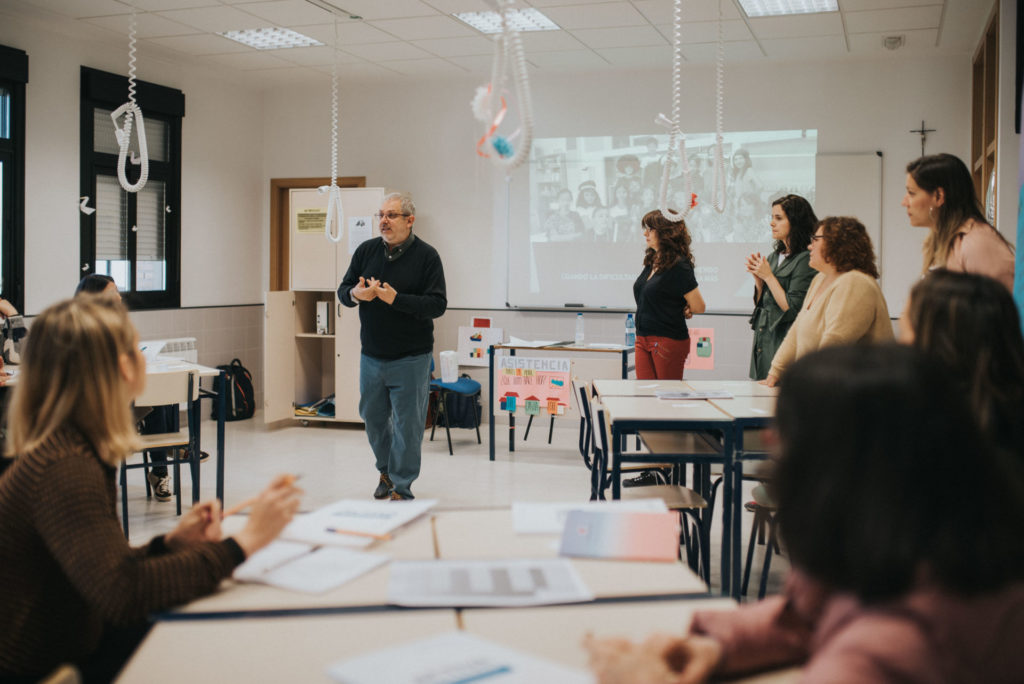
(463, 411)
(240, 400)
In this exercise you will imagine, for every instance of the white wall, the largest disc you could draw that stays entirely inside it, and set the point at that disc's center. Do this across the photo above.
(222, 151)
(420, 138)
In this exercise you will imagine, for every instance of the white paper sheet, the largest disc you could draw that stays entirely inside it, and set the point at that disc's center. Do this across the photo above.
(360, 229)
(373, 517)
(300, 568)
(694, 394)
(452, 658)
(517, 342)
(549, 517)
(496, 583)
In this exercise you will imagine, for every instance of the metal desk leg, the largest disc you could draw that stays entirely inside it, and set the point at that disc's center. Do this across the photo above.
(193, 463)
(737, 512)
(490, 400)
(222, 414)
(729, 513)
(615, 465)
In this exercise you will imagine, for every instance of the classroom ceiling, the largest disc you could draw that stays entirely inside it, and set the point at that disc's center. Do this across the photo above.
(403, 39)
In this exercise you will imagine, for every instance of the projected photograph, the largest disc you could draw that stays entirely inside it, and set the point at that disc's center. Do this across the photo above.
(587, 196)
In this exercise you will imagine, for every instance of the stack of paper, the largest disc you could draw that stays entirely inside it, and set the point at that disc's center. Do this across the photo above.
(499, 583)
(450, 659)
(300, 567)
(693, 394)
(354, 522)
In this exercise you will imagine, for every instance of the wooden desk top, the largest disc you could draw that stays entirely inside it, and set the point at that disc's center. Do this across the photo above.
(280, 649)
(637, 388)
(556, 632)
(737, 388)
(747, 407)
(414, 541)
(464, 535)
(654, 409)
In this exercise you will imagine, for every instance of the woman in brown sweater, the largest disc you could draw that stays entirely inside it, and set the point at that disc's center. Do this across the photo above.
(844, 304)
(71, 588)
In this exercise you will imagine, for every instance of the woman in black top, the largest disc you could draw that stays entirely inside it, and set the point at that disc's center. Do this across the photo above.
(666, 295)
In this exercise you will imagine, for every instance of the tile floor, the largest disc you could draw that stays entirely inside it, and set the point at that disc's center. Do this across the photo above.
(335, 462)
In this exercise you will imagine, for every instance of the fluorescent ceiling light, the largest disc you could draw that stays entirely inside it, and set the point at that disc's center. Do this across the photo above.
(777, 8)
(518, 19)
(270, 38)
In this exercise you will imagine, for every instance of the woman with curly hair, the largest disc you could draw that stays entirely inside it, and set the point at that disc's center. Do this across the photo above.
(844, 304)
(941, 197)
(780, 280)
(666, 295)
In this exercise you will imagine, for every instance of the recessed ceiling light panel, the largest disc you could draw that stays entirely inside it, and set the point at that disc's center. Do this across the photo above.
(271, 38)
(778, 8)
(518, 19)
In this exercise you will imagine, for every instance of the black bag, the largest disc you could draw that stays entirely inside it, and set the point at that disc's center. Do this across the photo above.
(240, 401)
(461, 411)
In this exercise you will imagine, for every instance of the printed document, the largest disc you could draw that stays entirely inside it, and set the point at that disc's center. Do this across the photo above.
(300, 567)
(354, 515)
(549, 517)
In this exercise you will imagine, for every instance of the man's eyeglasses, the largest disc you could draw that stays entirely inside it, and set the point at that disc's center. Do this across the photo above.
(390, 216)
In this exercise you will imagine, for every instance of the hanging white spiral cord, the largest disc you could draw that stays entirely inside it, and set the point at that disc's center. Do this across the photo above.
(489, 105)
(673, 126)
(335, 213)
(718, 173)
(132, 119)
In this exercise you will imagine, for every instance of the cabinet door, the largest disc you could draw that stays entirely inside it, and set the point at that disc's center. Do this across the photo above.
(278, 356)
(346, 363)
(313, 256)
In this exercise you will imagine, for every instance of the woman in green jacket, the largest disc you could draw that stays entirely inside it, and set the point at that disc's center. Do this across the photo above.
(785, 274)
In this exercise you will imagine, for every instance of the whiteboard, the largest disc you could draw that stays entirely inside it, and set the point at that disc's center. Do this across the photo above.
(850, 184)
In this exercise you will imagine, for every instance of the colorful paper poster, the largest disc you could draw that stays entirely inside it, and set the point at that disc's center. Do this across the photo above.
(538, 385)
(474, 343)
(702, 349)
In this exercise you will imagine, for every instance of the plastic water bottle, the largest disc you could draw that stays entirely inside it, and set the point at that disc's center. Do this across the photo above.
(579, 328)
(630, 331)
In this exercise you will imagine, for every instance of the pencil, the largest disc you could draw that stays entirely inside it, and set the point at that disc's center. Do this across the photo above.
(238, 508)
(357, 533)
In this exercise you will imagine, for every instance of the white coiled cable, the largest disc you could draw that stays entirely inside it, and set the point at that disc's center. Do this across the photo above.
(487, 105)
(335, 212)
(673, 126)
(132, 118)
(718, 173)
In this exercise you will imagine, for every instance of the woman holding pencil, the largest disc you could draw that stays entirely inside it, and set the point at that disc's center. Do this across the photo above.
(71, 588)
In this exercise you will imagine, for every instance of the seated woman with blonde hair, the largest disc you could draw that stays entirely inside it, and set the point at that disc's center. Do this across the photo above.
(71, 588)
(844, 303)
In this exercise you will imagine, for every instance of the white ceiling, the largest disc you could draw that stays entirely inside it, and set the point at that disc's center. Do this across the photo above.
(418, 38)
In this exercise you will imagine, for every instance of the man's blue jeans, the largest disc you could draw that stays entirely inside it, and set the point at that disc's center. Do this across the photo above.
(393, 404)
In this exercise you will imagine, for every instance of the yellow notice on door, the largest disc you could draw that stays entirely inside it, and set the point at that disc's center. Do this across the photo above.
(310, 220)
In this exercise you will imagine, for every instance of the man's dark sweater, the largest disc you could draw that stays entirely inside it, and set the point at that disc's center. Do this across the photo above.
(406, 326)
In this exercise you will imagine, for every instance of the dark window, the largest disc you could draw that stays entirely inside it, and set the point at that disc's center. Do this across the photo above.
(133, 237)
(13, 76)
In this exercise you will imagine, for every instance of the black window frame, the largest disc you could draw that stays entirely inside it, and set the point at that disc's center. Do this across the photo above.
(13, 77)
(104, 90)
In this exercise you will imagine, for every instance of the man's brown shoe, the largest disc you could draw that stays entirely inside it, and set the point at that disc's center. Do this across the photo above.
(383, 487)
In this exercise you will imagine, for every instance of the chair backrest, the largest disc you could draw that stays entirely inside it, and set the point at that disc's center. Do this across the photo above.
(174, 387)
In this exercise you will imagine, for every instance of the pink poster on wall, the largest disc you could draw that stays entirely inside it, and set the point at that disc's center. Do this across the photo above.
(536, 385)
(702, 349)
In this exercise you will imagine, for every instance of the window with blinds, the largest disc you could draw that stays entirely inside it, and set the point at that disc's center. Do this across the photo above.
(132, 237)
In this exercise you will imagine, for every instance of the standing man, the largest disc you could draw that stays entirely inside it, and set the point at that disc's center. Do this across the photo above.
(397, 282)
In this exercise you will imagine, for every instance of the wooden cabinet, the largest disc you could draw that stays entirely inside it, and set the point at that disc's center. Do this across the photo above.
(300, 365)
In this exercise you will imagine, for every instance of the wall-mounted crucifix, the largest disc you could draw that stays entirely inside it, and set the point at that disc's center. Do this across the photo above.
(923, 132)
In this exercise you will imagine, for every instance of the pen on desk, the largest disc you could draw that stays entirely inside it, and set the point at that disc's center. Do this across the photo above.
(357, 533)
(238, 508)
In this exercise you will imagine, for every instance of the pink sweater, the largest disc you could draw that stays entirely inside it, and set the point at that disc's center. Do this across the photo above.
(928, 636)
(978, 249)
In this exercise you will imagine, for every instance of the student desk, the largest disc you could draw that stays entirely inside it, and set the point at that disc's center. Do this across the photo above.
(273, 649)
(170, 364)
(621, 350)
(414, 541)
(489, 534)
(556, 632)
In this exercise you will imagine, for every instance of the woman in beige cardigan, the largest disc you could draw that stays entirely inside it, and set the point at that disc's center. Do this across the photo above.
(844, 304)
